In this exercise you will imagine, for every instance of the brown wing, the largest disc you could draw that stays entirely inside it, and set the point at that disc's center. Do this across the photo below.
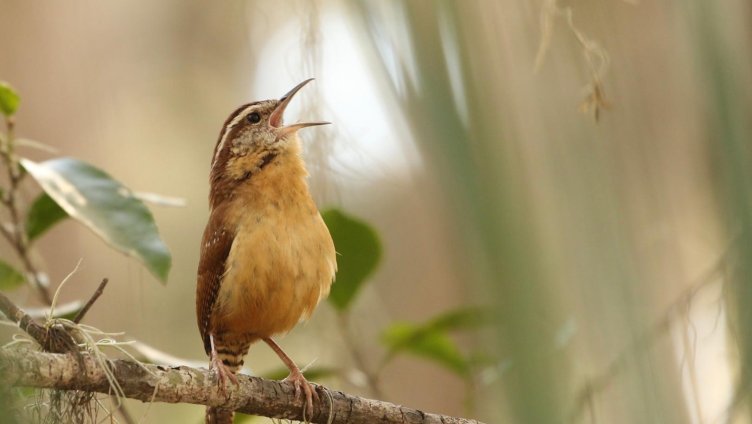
(215, 247)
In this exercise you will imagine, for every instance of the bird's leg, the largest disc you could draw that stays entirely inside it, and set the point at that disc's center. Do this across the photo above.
(295, 377)
(216, 364)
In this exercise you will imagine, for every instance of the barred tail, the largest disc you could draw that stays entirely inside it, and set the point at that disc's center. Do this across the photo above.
(231, 353)
(232, 357)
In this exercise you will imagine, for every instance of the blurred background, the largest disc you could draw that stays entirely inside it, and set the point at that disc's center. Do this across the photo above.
(579, 171)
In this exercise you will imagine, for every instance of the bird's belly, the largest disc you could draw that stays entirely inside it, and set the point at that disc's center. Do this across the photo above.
(277, 271)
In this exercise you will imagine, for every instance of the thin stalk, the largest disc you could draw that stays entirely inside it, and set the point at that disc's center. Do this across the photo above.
(16, 235)
(372, 377)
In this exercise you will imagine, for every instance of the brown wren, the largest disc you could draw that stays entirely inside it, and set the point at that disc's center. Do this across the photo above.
(267, 257)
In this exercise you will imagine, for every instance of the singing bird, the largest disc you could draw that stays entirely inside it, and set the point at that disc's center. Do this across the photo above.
(267, 257)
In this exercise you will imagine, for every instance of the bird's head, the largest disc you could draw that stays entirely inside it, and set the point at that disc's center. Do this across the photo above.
(254, 135)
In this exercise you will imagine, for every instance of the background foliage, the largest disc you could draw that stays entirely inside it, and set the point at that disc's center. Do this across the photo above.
(542, 208)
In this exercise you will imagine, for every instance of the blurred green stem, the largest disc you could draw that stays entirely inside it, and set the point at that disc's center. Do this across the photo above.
(16, 234)
(481, 185)
(372, 376)
(729, 133)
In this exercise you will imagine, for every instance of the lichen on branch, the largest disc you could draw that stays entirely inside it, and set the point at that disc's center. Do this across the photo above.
(156, 383)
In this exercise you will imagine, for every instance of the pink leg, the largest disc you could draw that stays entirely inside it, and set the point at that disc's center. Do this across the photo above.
(295, 377)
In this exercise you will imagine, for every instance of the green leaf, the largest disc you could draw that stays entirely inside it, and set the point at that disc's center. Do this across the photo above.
(107, 207)
(427, 342)
(431, 339)
(359, 251)
(43, 214)
(9, 99)
(9, 277)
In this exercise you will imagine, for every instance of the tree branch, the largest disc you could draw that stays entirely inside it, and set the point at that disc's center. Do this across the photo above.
(53, 338)
(257, 396)
(71, 369)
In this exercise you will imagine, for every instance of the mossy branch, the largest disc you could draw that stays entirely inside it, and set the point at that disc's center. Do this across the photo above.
(72, 369)
(154, 383)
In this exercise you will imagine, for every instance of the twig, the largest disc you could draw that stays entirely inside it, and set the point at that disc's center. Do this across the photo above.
(17, 237)
(372, 378)
(26, 322)
(52, 339)
(91, 301)
(254, 395)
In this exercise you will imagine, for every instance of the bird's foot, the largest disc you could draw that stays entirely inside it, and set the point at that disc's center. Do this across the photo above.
(300, 383)
(296, 378)
(223, 373)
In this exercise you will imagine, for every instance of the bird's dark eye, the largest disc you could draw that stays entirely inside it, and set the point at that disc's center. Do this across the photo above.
(254, 118)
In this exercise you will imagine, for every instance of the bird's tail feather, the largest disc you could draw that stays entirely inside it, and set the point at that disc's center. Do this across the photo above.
(231, 354)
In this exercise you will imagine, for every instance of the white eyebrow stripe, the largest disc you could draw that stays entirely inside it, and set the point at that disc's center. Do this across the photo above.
(235, 121)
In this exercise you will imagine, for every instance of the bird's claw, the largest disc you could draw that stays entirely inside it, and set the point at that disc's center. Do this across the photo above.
(299, 382)
(223, 374)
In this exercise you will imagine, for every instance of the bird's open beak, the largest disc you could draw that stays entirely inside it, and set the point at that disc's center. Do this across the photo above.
(275, 119)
